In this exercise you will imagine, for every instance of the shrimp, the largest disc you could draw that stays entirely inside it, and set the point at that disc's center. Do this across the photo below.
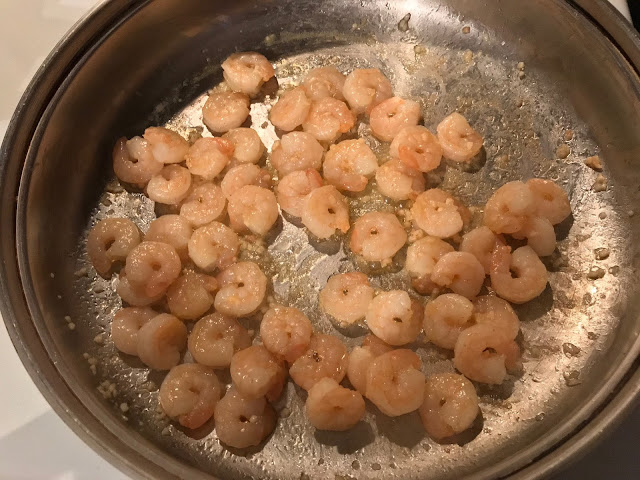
(133, 161)
(213, 246)
(325, 210)
(480, 242)
(170, 186)
(484, 353)
(364, 88)
(377, 236)
(330, 406)
(190, 393)
(461, 272)
(360, 359)
(204, 204)
(242, 289)
(134, 295)
(191, 295)
(247, 145)
(530, 278)
(125, 326)
(346, 297)
(166, 145)
(394, 317)
(293, 188)
(488, 309)
(286, 332)
(445, 317)
(438, 213)
(153, 266)
(245, 72)
(296, 151)
(395, 383)
(215, 339)
(256, 372)
(328, 118)
(326, 357)
(291, 110)
(540, 235)
(422, 256)
(417, 148)
(390, 116)
(398, 181)
(450, 405)
(252, 209)
(208, 156)
(174, 230)
(551, 201)
(243, 422)
(224, 111)
(110, 241)
(508, 209)
(242, 175)
(324, 82)
(161, 341)
(459, 141)
(348, 165)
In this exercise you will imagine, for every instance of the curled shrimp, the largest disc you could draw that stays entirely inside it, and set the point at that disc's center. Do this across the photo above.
(170, 186)
(417, 148)
(125, 326)
(326, 356)
(346, 297)
(324, 82)
(252, 209)
(551, 201)
(530, 278)
(328, 118)
(247, 145)
(459, 141)
(110, 241)
(296, 151)
(398, 181)
(480, 242)
(325, 210)
(459, 271)
(293, 188)
(242, 289)
(488, 309)
(330, 406)
(133, 161)
(153, 266)
(508, 209)
(242, 175)
(213, 246)
(438, 213)
(204, 204)
(166, 145)
(286, 332)
(445, 317)
(224, 111)
(291, 110)
(215, 339)
(208, 156)
(377, 236)
(364, 88)
(256, 372)
(360, 359)
(390, 116)
(349, 164)
(161, 341)
(245, 72)
(191, 295)
(174, 230)
(422, 256)
(394, 317)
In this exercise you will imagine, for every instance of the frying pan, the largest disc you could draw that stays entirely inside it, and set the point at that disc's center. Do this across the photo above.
(130, 64)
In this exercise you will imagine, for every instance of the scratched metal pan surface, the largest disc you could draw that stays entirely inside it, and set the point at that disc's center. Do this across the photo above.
(134, 64)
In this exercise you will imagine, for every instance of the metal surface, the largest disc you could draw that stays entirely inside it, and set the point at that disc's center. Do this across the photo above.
(132, 64)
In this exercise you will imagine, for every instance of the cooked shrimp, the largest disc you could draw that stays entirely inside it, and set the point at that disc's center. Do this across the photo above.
(293, 188)
(484, 352)
(346, 297)
(360, 359)
(134, 295)
(286, 332)
(170, 186)
(348, 165)
(450, 405)
(530, 278)
(509, 207)
(488, 309)
(438, 213)
(422, 256)
(398, 181)
(256, 372)
(224, 111)
(161, 341)
(551, 201)
(291, 110)
(325, 357)
(445, 317)
(111, 240)
(364, 88)
(417, 148)
(252, 209)
(377, 236)
(328, 119)
(166, 145)
(215, 339)
(390, 116)
(395, 383)
(296, 151)
(208, 156)
(395, 317)
(244, 174)
(190, 393)
(125, 326)
(246, 72)
(325, 210)
(242, 289)
(540, 235)
(133, 161)
(480, 242)
(247, 145)
(330, 406)
(243, 422)
(213, 246)
(191, 295)
(324, 82)
(153, 266)
(459, 141)
(461, 272)
(204, 204)
(174, 230)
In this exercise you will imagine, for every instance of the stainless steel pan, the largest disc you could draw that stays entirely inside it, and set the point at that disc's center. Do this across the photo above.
(130, 64)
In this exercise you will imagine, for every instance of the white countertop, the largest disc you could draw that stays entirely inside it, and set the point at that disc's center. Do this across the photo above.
(34, 442)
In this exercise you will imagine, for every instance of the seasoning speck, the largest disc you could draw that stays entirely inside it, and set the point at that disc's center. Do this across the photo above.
(71, 325)
(521, 66)
(355, 465)
(596, 273)
(540, 417)
(93, 369)
(563, 151)
(269, 40)
(615, 270)
(521, 75)
(124, 407)
(466, 29)
(600, 185)
(601, 253)
(376, 466)
(570, 350)
(593, 162)
(631, 213)
(52, 275)
(571, 378)
(468, 56)
(67, 318)
(419, 49)
(403, 25)
(592, 335)
(166, 431)
(568, 135)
